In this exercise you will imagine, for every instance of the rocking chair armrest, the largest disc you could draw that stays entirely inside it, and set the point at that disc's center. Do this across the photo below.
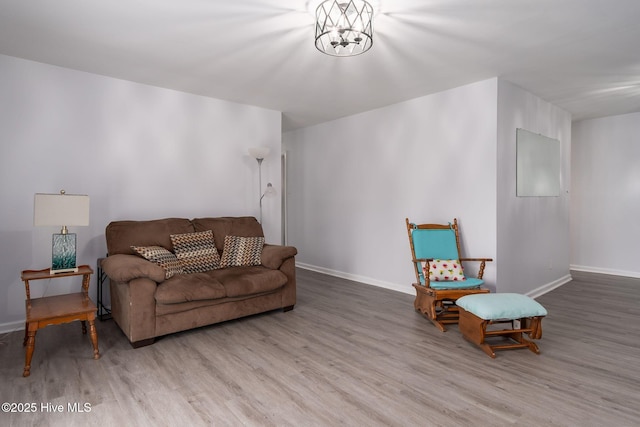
(416, 261)
(476, 259)
(482, 262)
(461, 259)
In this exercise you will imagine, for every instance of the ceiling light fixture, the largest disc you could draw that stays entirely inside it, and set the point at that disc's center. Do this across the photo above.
(344, 28)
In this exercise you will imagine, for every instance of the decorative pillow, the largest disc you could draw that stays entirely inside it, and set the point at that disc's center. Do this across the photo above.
(444, 270)
(161, 256)
(196, 251)
(242, 251)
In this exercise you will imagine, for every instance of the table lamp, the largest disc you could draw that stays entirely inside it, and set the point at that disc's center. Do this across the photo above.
(62, 210)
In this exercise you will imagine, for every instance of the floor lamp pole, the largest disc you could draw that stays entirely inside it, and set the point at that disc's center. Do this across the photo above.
(260, 185)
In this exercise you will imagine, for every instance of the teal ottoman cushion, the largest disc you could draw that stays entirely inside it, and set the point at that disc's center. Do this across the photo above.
(501, 306)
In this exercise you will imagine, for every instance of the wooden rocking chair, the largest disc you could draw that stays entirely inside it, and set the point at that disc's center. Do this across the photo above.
(436, 299)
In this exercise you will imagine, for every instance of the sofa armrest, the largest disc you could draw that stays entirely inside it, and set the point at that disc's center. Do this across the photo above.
(274, 255)
(124, 268)
(133, 307)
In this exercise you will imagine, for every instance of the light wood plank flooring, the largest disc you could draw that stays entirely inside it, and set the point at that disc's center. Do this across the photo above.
(348, 354)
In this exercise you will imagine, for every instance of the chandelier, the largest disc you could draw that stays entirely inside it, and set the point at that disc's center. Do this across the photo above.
(344, 28)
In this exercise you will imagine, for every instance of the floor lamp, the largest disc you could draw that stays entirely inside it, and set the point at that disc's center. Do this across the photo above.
(259, 153)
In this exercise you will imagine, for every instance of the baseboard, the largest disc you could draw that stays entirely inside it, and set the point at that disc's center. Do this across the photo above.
(357, 278)
(5, 328)
(549, 287)
(395, 287)
(610, 271)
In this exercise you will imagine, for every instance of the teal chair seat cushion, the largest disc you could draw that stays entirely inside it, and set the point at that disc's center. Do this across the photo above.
(468, 283)
(501, 306)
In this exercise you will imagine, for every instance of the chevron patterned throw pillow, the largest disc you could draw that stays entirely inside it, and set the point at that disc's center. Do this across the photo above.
(196, 251)
(242, 251)
(162, 257)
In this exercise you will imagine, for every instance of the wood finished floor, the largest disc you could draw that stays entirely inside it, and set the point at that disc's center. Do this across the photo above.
(348, 354)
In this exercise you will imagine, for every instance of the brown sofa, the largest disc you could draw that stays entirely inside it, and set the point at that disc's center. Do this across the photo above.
(146, 305)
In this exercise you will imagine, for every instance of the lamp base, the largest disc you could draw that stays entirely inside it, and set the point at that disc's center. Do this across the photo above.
(63, 252)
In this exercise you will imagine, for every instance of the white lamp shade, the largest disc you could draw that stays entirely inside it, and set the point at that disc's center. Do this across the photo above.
(259, 152)
(270, 191)
(61, 210)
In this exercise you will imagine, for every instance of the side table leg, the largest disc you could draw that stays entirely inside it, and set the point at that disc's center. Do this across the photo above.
(94, 338)
(26, 334)
(84, 327)
(31, 343)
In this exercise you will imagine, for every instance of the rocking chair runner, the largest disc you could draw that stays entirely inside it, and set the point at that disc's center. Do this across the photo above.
(436, 299)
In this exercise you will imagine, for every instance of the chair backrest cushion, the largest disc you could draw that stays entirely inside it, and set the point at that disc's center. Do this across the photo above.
(434, 244)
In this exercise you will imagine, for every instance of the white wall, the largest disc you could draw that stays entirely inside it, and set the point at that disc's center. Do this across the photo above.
(139, 152)
(353, 181)
(451, 154)
(533, 232)
(605, 206)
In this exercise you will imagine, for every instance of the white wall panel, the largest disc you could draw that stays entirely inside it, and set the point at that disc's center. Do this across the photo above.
(533, 232)
(605, 207)
(354, 180)
(139, 152)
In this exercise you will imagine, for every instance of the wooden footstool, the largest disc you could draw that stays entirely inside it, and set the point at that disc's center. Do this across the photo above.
(518, 314)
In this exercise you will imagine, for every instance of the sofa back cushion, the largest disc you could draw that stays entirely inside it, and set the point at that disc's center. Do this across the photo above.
(121, 235)
(244, 226)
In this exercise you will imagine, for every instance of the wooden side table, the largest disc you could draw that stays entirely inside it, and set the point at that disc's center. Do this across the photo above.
(57, 309)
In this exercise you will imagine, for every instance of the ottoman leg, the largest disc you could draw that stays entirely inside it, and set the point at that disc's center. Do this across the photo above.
(520, 338)
(487, 349)
(533, 347)
(473, 330)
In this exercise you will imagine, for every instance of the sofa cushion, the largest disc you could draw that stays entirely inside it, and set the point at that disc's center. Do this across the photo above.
(196, 251)
(189, 287)
(161, 256)
(121, 235)
(246, 226)
(242, 251)
(242, 281)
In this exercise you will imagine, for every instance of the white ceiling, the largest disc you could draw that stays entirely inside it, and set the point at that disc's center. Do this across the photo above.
(582, 55)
